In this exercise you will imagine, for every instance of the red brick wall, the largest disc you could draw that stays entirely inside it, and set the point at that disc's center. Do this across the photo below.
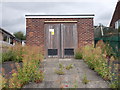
(35, 31)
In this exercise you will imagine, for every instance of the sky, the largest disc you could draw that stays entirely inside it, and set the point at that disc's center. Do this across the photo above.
(12, 13)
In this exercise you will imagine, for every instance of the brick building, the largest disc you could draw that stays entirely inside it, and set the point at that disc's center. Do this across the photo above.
(115, 22)
(59, 35)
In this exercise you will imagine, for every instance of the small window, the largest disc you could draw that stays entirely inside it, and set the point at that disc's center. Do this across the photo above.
(69, 51)
(11, 41)
(117, 24)
(4, 38)
(52, 52)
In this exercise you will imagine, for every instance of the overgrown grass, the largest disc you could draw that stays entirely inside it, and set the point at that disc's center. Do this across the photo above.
(29, 72)
(97, 60)
(13, 54)
(78, 54)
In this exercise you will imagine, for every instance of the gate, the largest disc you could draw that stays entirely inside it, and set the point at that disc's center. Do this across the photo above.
(60, 39)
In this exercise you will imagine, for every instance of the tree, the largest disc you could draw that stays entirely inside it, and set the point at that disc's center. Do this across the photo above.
(20, 35)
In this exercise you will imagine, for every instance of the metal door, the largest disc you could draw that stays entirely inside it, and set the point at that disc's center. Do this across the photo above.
(60, 39)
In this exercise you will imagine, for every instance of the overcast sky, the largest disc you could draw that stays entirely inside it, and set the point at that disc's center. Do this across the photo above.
(13, 13)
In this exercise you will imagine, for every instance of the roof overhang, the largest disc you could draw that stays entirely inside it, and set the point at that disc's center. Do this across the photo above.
(61, 16)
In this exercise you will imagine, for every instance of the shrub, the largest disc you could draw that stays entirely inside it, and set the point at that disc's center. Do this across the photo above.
(3, 83)
(114, 84)
(10, 56)
(96, 61)
(29, 72)
(31, 57)
(78, 54)
(13, 54)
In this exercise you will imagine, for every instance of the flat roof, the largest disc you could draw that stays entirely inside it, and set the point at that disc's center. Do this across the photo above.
(61, 16)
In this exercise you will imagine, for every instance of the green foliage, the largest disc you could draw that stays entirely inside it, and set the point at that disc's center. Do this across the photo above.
(70, 66)
(78, 55)
(114, 84)
(85, 80)
(61, 65)
(20, 35)
(30, 68)
(96, 60)
(60, 71)
(11, 56)
(29, 72)
(107, 49)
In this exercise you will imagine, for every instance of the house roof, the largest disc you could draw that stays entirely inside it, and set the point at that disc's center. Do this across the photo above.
(116, 15)
(61, 16)
(4, 31)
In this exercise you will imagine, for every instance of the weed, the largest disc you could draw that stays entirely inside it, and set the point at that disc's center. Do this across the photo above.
(70, 66)
(75, 84)
(78, 54)
(96, 60)
(85, 80)
(61, 65)
(59, 72)
(29, 70)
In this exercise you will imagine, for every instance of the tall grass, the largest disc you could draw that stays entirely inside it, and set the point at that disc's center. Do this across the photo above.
(31, 58)
(97, 59)
(78, 54)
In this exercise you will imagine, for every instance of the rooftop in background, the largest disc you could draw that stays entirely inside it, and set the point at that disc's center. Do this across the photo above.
(6, 32)
(116, 15)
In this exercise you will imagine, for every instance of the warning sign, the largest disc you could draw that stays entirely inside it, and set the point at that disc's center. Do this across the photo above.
(52, 31)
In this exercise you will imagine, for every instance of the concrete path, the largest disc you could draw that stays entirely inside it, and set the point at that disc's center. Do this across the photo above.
(72, 78)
